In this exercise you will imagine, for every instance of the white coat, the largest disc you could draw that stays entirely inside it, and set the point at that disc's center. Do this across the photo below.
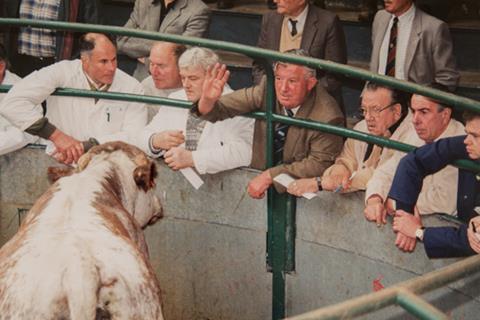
(81, 118)
(223, 145)
(11, 138)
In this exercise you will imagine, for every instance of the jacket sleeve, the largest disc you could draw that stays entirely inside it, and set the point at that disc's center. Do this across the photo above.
(131, 46)
(22, 104)
(258, 70)
(11, 139)
(445, 69)
(336, 51)
(382, 178)
(197, 25)
(236, 150)
(447, 242)
(415, 166)
(90, 12)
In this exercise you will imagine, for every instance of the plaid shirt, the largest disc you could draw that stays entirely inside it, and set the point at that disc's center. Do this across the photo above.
(34, 41)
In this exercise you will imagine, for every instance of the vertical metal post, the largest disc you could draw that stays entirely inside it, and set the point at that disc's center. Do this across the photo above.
(281, 220)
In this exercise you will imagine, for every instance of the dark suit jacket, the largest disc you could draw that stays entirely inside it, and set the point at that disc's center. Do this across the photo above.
(439, 242)
(429, 56)
(306, 153)
(322, 38)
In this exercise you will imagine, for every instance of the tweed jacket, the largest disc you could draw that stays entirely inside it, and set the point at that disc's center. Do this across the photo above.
(322, 38)
(429, 56)
(306, 153)
(439, 242)
(186, 17)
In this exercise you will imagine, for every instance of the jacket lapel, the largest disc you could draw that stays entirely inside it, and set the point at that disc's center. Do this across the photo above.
(309, 30)
(276, 31)
(172, 15)
(383, 26)
(415, 36)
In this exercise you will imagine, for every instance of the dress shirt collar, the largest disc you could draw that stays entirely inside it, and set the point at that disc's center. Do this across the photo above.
(301, 18)
(406, 17)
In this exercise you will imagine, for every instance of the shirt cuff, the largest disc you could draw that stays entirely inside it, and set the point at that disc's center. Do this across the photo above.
(41, 128)
(153, 150)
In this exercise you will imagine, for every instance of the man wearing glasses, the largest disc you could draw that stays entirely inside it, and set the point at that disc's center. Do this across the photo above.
(431, 121)
(386, 115)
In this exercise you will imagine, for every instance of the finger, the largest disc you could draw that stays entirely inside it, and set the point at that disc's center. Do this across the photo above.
(68, 156)
(225, 77)
(378, 218)
(384, 217)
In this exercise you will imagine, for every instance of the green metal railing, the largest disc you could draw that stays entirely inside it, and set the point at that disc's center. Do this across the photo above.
(281, 207)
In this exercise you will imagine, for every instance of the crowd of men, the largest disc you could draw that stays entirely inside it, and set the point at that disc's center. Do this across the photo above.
(407, 43)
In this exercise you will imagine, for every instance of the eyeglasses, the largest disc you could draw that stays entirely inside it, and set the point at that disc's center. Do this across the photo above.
(375, 112)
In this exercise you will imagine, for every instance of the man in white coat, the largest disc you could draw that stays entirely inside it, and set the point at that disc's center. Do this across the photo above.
(11, 138)
(74, 124)
(209, 147)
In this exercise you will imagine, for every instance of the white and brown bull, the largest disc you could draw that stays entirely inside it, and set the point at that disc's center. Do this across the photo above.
(80, 252)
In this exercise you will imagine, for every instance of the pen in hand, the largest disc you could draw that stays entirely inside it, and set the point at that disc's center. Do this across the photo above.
(340, 187)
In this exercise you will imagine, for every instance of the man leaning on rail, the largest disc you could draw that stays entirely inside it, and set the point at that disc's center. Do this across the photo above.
(386, 115)
(299, 152)
(441, 242)
(74, 124)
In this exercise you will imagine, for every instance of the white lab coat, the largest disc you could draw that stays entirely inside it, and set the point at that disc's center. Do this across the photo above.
(11, 138)
(223, 145)
(81, 118)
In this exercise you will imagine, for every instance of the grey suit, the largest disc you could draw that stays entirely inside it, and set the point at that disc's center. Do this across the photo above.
(429, 56)
(186, 17)
(322, 38)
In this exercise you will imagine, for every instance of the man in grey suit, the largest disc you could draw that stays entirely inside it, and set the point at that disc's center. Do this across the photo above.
(423, 51)
(182, 17)
(317, 31)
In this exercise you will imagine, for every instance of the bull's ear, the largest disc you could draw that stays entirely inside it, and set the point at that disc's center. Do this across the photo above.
(145, 175)
(55, 173)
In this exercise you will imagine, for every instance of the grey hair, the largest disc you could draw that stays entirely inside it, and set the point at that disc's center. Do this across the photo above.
(198, 57)
(299, 52)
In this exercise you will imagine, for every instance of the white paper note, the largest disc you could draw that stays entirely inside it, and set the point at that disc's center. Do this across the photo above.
(192, 177)
(285, 179)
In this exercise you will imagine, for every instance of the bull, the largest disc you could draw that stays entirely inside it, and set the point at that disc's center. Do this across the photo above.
(80, 252)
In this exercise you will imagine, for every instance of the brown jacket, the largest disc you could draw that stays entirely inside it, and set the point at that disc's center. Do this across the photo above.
(307, 153)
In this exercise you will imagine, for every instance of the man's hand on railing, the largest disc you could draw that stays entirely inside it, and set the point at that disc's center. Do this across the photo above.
(215, 80)
(68, 149)
(473, 234)
(258, 185)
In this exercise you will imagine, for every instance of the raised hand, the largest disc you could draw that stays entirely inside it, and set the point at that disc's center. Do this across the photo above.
(215, 79)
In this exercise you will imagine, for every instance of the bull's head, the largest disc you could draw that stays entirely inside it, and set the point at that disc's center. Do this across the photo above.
(141, 200)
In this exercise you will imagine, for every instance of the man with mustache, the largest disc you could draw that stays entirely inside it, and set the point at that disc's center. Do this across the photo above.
(411, 45)
(74, 124)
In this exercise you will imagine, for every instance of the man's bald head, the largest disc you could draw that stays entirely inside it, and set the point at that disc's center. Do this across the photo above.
(164, 64)
(98, 53)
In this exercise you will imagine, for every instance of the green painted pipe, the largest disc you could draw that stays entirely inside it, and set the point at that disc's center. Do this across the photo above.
(418, 307)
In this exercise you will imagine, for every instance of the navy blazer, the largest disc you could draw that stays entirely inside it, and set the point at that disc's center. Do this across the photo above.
(439, 242)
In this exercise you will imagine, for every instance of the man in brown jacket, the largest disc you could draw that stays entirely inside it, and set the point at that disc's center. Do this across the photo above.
(306, 153)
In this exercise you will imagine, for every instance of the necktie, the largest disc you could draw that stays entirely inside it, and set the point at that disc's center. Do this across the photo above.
(392, 50)
(294, 27)
(280, 134)
(194, 130)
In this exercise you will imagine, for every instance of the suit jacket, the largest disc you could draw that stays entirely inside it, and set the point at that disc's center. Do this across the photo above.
(306, 153)
(322, 38)
(186, 17)
(429, 56)
(439, 242)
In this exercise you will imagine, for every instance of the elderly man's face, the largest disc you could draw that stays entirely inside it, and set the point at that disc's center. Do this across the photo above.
(100, 65)
(429, 123)
(397, 7)
(378, 111)
(192, 81)
(292, 84)
(472, 141)
(163, 68)
(290, 7)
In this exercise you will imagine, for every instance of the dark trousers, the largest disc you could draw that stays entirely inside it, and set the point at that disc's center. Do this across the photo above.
(23, 64)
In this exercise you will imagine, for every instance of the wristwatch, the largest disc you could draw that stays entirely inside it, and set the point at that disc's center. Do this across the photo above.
(419, 233)
(319, 183)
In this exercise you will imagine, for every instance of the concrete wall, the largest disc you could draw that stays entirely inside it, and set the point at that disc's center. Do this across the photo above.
(209, 250)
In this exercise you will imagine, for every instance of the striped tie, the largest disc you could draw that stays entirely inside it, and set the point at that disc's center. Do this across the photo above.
(280, 134)
(392, 50)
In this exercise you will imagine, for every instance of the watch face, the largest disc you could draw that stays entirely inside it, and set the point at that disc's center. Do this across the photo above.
(419, 234)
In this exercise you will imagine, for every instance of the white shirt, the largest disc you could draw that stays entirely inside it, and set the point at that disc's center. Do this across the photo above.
(11, 138)
(150, 90)
(223, 145)
(81, 118)
(404, 28)
(301, 18)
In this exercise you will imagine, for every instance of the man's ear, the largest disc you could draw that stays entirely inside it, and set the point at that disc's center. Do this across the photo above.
(311, 83)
